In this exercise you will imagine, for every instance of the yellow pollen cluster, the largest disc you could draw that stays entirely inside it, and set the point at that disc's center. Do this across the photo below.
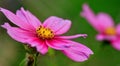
(44, 33)
(110, 31)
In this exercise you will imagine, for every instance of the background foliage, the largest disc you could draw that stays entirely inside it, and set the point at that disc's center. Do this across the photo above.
(12, 52)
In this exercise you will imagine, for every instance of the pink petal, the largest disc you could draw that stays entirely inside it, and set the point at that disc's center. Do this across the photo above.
(118, 29)
(58, 44)
(15, 19)
(105, 21)
(21, 15)
(87, 11)
(100, 37)
(26, 37)
(77, 52)
(116, 44)
(28, 17)
(72, 37)
(99, 22)
(17, 33)
(39, 44)
(58, 25)
(73, 50)
(88, 14)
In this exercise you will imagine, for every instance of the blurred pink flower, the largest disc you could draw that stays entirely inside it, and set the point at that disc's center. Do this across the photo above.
(104, 24)
(31, 31)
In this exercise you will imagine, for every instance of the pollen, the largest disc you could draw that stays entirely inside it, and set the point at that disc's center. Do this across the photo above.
(110, 31)
(44, 33)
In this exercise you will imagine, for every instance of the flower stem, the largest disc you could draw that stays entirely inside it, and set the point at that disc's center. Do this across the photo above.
(31, 56)
(35, 59)
(32, 59)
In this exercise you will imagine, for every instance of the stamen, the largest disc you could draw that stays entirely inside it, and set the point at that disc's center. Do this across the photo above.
(44, 33)
(110, 31)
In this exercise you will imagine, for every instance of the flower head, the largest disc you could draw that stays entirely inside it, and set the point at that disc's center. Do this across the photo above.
(104, 24)
(41, 36)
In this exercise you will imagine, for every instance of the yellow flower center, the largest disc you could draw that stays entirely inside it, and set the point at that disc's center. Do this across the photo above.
(44, 33)
(110, 31)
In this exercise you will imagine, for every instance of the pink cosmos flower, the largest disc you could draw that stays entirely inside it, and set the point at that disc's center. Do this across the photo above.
(104, 24)
(31, 31)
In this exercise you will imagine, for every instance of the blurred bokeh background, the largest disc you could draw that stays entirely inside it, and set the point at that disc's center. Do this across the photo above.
(12, 52)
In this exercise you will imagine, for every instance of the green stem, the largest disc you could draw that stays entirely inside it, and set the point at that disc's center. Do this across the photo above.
(35, 59)
(31, 56)
(32, 59)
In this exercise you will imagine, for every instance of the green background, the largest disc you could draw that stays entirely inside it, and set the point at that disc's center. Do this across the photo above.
(12, 52)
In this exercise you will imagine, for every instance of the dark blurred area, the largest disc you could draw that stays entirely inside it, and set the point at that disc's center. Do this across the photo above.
(12, 52)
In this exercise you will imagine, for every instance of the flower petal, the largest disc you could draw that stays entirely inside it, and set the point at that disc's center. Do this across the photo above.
(39, 44)
(15, 19)
(26, 37)
(73, 50)
(105, 21)
(17, 33)
(72, 37)
(58, 25)
(58, 44)
(21, 15)
(118, 29)
(77, 52)
(88, 14)
(100, 37)
(99, 22)
(116, 44)
(28, 17)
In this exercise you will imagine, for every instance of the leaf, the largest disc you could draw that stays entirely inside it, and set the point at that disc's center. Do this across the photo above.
(23, 62)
